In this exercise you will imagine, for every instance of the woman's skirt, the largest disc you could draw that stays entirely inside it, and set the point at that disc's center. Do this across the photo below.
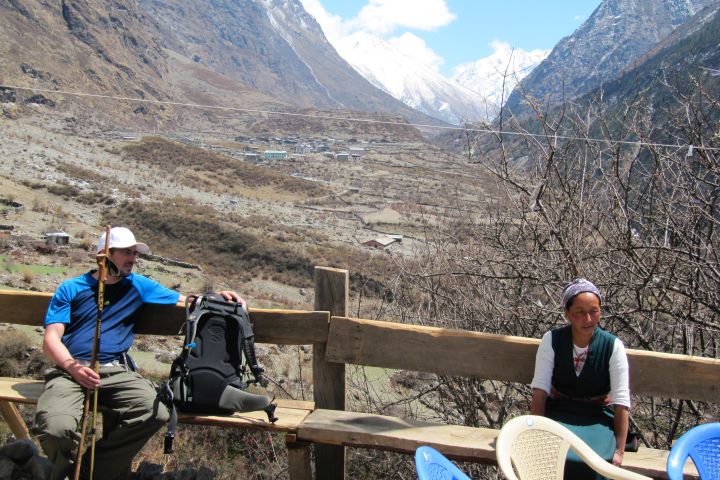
(593, 424)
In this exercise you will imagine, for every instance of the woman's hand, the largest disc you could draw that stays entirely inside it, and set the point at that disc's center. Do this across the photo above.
(618, 458)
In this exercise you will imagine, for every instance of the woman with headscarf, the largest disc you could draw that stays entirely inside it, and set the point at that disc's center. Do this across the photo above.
(582, 380)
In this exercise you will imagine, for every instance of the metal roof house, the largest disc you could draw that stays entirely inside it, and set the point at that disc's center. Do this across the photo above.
(379, 242)
(275, 155)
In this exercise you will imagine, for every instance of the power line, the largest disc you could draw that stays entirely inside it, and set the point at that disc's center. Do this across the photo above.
(689, 147)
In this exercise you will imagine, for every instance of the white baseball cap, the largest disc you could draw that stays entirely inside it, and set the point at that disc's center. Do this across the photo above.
(121, 237)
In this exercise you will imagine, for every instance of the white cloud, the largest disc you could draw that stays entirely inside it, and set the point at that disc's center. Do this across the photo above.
(415, 47)
(384, 16)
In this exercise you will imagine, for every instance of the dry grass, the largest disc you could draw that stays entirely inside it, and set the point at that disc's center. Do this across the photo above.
(198, 168)
(81, 173)
(243, 249)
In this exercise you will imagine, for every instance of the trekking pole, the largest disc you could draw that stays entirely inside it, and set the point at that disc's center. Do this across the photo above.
(102, 277)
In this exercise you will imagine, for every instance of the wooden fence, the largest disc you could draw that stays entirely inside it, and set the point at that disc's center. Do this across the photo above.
(338, 340)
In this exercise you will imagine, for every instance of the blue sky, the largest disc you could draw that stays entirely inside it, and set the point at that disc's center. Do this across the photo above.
(458, 31)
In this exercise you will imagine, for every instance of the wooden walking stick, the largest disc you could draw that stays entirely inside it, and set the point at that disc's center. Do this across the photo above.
(102, 278)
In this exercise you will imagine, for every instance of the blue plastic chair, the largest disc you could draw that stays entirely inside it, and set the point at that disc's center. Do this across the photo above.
(702, 444)
(432, 465)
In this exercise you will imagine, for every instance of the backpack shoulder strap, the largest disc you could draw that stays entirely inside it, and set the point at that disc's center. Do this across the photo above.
(194, 310)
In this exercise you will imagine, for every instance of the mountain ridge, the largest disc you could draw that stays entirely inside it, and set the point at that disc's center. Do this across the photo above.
(617, 33)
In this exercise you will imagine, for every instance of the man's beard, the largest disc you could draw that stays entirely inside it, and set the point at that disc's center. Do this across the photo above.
(113, 270)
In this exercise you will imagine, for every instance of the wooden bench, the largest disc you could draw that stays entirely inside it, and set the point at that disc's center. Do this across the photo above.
(290, 413)
(364, 430)
(338, 340)
(484, 356)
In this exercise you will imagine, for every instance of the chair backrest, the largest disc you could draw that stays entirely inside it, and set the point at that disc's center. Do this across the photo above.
(530, 447)
(432, 465)
(702, 444)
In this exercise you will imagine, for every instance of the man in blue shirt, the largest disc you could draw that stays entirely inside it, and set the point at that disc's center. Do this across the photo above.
(132, 412)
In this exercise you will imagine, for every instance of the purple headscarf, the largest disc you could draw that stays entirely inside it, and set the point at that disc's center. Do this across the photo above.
(578, 286)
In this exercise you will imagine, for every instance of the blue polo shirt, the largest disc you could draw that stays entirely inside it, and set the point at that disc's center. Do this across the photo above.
(75, 304)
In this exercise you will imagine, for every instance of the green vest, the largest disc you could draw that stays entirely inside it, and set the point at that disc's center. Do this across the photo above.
(594, 379)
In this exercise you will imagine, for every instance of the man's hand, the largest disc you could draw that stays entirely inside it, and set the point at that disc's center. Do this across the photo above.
(229, 295)
(56, 352)
(85, 376)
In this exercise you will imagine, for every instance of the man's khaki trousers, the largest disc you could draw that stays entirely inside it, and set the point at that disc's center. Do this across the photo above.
(131, 415)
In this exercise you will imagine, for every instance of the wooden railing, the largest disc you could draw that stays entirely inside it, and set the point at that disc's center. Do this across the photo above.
(507, 358)
(338, 340)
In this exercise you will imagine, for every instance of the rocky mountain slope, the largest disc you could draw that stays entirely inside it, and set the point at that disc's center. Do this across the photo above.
(232, 53)
(615, 36)
(684, 62)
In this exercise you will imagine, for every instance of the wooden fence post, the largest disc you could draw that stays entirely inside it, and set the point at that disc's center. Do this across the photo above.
(331, 294)
(299, 463)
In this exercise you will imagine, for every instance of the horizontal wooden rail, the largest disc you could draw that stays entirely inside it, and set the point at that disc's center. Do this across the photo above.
(286, 327)
(501, 357)
(428, 349)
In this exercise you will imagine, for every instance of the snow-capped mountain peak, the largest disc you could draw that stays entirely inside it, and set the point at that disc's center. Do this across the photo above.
(495, 76)
(387, 66)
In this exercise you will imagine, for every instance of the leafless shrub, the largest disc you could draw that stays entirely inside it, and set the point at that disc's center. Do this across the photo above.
(19, 355)
(28, 277)
(591, 191)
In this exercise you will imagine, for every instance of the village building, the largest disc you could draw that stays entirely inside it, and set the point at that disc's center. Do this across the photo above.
(57, 238)
(303, 149)
(356, 152)
(342, 156)
(379, 243)
(275, 155)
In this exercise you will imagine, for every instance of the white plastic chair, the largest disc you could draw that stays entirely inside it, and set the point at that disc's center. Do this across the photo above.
(534, 448)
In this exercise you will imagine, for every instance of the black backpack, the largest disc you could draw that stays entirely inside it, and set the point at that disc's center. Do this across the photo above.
(209, 376)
